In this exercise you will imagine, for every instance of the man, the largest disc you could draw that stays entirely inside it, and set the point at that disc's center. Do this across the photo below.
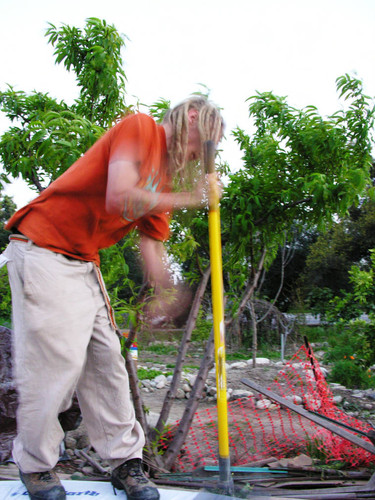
(64, 333)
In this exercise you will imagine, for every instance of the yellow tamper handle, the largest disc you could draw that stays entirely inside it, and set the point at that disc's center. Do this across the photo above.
(218, 315)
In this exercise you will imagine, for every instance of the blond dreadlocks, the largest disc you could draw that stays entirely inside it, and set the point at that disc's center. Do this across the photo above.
(210, 126)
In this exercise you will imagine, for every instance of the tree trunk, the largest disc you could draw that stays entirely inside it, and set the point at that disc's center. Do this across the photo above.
(255, 332)
(191, 322)
(183, 429)
(249, 291)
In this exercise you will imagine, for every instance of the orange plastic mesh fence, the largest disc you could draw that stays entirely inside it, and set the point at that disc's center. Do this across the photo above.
(259, 428)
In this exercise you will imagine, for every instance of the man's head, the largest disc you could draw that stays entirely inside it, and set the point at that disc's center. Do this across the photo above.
(190, 124)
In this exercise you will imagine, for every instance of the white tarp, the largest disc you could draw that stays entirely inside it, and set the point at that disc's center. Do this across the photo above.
(90, 490)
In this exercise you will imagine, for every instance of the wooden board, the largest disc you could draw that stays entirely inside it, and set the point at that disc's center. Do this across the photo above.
(336, 429)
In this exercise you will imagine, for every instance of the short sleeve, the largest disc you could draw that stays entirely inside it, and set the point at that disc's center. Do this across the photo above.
(155, 226)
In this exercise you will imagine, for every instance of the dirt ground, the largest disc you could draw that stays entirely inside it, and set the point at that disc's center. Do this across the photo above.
(153, 401)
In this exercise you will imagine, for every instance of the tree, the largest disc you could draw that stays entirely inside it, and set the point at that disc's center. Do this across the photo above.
(47, 136)
(7, 209)
(282, 279)
(94, 54)
(300, 171)
(330, 258)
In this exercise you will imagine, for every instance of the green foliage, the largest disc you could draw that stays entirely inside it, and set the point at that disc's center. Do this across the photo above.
(144, 373)
(94, 54)
(159, 109)
(300, 171)
(351, 353)
(202, 328)
(298, 166)
(231, 356)
(5, 298)
(332, 255)
(349, 342)
(7, 209)
(47, 139)
(122, 274)
(48, 136)
(351, 375)
(317, 333)
(161, 349)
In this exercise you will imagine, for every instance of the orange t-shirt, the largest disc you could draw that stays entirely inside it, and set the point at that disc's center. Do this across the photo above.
(69, 216)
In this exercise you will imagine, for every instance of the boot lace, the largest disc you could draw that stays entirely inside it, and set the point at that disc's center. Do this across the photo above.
(45, 476)
(134, 470)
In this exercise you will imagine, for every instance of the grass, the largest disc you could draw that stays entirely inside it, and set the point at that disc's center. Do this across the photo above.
(144, 373)
(231, 356)
(160, 349)
(6, 322)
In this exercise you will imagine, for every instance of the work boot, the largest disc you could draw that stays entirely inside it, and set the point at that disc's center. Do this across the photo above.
(130, 477)
(43, 485)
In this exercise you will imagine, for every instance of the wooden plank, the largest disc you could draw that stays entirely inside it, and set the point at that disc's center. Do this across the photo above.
(336, 429)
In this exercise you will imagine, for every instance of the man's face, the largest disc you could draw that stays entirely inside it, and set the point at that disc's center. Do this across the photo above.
(194, 145)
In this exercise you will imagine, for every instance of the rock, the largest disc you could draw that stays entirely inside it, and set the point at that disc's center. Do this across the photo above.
(299, 461)
(160, 378)
(191, 379)
(297, 366)
(239, 365)
(337, 399)
(70, 443)
(335, 386)
(319, 354)
(241, 393)
(297, 400)
(69, 452)
(263, 404)
(259, 361)
(358, 394)
(83, 442)
(152, 418)
(211, 391)
(8, 395)
(312, 402)
(88, 470)
(180, 394)
(186, 388)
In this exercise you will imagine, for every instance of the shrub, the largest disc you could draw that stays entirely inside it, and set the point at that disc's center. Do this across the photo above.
(349, 374)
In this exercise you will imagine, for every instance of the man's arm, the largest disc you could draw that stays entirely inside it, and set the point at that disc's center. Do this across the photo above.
(122, 193)
(169, 300)
(155, 262)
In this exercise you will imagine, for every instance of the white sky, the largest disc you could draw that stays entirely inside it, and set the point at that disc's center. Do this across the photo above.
(295, 48)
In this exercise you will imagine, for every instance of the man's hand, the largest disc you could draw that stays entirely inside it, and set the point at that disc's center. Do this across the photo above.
(168, 300)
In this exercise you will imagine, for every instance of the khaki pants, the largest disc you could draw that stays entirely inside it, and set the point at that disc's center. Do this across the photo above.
(64, 341)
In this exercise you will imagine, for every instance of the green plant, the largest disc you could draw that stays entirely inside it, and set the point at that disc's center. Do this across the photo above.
(238, 355)
(350, 374)
(268, 351)
(144, 373)
(161, 349)
(316, 449)
(202, 329)
(5, 296)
